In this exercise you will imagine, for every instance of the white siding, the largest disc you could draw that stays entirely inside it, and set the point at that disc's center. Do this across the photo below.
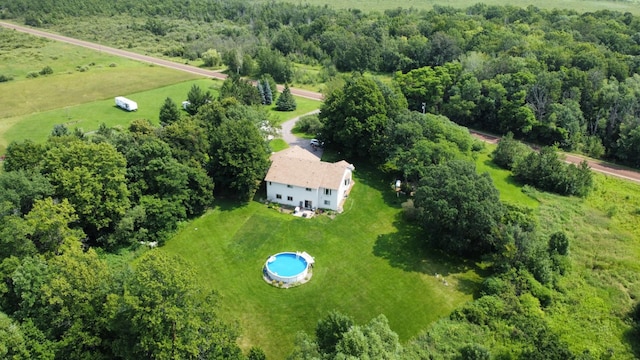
(297, 195)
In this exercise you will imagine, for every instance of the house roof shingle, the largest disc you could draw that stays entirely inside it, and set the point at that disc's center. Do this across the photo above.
(298, 167)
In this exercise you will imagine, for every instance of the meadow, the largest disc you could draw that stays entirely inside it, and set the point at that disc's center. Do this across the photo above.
(581, 6)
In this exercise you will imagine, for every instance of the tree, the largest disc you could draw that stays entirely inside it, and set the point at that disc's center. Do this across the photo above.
(169, 112)
(49, 225)
(162, 313)
(242, 90)
(330, 330)
(239, 158)
(211, 58)
(60, 130)
(26, 155)
(21, 188)
(286, 101)
(92, 177)
(459, 209)
(197, 98)
(354, 117)
(12, 343)
(374, 340)
(509, 152)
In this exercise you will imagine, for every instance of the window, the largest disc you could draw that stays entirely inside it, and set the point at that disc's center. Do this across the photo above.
(289, 198)
(308, 189)
(269, 182)
(290, 186)
(347, 181)
(327, 202)
(278, 196)
(327, 191)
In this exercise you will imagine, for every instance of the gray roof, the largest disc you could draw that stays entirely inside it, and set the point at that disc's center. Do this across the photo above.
(298, 167)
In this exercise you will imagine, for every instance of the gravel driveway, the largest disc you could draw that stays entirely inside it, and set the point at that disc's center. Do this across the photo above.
(292, 140)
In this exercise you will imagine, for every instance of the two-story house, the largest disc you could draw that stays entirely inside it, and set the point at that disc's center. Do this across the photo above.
(299, 178)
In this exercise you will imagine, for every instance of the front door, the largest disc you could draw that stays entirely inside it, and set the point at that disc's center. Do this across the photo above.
(308, 204)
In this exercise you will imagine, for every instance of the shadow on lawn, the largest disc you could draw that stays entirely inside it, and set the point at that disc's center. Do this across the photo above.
(408, 250)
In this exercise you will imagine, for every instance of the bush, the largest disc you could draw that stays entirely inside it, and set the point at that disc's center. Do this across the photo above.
(509, 152)
(47, 70)
(5, 78)
(309, 124)
(32, 75)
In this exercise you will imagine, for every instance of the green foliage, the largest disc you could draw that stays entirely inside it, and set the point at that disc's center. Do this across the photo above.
(509, 152)
(169, 112)
(197, 98)
(211, 58)
(354, 118)
(458, 209)
(240, 89)
(59, 130)
(47, 70)
(330, 330)
(309, 124)
(239, 158)
(12, 343)
(272, 62)
(92, 177)
(161, 311)
(5, 78)
(546, 171)
(286, 101)
(559, 243)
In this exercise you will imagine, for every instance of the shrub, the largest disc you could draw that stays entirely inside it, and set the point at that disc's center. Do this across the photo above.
(47, 70)
(309, 124)
(32, 75)
(5, 78)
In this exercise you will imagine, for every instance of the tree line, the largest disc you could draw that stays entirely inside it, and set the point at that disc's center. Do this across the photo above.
(554, 77)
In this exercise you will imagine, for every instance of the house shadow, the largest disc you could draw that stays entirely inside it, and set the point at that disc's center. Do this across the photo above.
(408, 249)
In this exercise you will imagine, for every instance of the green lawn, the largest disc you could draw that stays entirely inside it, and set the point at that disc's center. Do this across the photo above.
(89, 116)
(367, 263)
(510, 189)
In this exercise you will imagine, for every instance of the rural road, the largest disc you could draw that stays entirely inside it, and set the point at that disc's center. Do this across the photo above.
(596, 165)
(144, 58)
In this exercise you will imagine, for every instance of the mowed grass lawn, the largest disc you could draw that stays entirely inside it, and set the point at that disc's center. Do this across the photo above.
(369, 261)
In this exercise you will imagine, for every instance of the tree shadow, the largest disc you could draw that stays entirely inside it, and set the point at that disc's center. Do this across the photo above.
(408, 249)
(227, 204)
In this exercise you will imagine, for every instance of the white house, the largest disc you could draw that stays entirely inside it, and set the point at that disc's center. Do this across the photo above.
(298, 178)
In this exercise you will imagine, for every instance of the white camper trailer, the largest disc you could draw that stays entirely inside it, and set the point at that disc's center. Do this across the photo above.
(126, 104)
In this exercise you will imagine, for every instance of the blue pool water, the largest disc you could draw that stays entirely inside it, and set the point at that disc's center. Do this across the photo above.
(287, 264)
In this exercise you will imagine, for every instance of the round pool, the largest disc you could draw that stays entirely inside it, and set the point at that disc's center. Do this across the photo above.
(288, 267)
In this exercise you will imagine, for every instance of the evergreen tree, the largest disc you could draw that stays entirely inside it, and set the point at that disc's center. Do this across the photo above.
(268, 95)
(261, 91)
(169, 112)
(197, 98)
(286, 102)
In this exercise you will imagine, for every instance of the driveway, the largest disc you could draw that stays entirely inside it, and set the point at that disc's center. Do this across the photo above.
(293, 140)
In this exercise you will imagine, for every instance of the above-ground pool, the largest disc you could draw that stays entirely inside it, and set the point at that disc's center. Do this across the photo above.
(288, 267)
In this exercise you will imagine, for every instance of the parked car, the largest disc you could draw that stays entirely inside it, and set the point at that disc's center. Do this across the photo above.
(317, 143)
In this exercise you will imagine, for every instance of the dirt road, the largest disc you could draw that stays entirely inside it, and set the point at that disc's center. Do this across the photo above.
(596, 165)
(144, 58)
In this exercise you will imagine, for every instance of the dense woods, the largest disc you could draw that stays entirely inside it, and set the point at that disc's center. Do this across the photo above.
(553, 77)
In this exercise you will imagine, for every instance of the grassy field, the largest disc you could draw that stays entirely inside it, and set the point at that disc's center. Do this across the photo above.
(368, 262)
(632, 6)
(89, 116)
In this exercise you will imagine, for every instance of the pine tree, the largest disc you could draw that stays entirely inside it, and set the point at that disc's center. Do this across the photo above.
(260, 87)
(169, 112)
(286, 102)
(268, 95)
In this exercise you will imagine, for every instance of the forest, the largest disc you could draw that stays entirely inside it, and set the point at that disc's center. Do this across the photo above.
(548, 76)
(400, 87)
